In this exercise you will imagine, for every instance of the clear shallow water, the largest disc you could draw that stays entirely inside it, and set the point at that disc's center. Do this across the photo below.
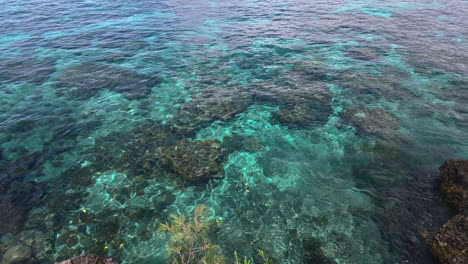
(333, 116)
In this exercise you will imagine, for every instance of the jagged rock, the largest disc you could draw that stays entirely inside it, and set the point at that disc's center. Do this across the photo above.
(88, 259)
(450, 244)
(17, 255)
(195, 161)
(455, 183)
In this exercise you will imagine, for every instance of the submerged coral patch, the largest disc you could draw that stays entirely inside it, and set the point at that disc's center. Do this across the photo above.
(86, 80)
(195, 161)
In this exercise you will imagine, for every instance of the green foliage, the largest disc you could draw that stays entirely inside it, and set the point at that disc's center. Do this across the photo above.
(265, 259)
(247, 261)
(189, 242)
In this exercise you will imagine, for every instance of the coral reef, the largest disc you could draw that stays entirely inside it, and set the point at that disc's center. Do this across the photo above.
(301, 105)
(88, 259)
(26, 69)
(312, 252)
(86, 80)
(236, 142)
(373, 86)
(377, 121)
(304, 115)
(210, 105)
(195, 161)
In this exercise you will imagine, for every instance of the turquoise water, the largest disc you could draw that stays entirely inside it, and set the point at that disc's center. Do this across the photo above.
(293, 120)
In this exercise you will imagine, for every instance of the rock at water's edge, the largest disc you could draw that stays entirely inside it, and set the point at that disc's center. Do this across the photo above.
(455, 183)
(450, 244)
(88, 259)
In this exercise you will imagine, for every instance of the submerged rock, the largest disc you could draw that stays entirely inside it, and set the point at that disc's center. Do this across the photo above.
(88, 259)
(450, 244)
(455, 183)
(17, 255)
(312, 252)
(195, 161)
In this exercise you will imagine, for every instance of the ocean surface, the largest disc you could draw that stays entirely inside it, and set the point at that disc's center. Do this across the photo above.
(313, 129)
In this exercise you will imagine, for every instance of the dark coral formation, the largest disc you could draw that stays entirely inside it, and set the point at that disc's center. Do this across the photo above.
(86, 80)
(211, 105)
(450, 243)
(195, 161)
(301, 106)
(135, 153)
(377, 121)
(26, 69)
(372, 86)
(312, 252)
(88, 259)
(364, 53)
(304, 115)
(17, 196)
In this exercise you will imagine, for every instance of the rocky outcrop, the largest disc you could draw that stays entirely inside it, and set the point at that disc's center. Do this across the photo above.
(455, 183)
(88, 259)
(450, 243)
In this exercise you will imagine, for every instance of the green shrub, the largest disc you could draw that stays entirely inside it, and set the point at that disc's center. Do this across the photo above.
(189, 242)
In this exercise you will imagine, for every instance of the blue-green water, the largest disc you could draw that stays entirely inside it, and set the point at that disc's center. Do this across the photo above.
(332, 119)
